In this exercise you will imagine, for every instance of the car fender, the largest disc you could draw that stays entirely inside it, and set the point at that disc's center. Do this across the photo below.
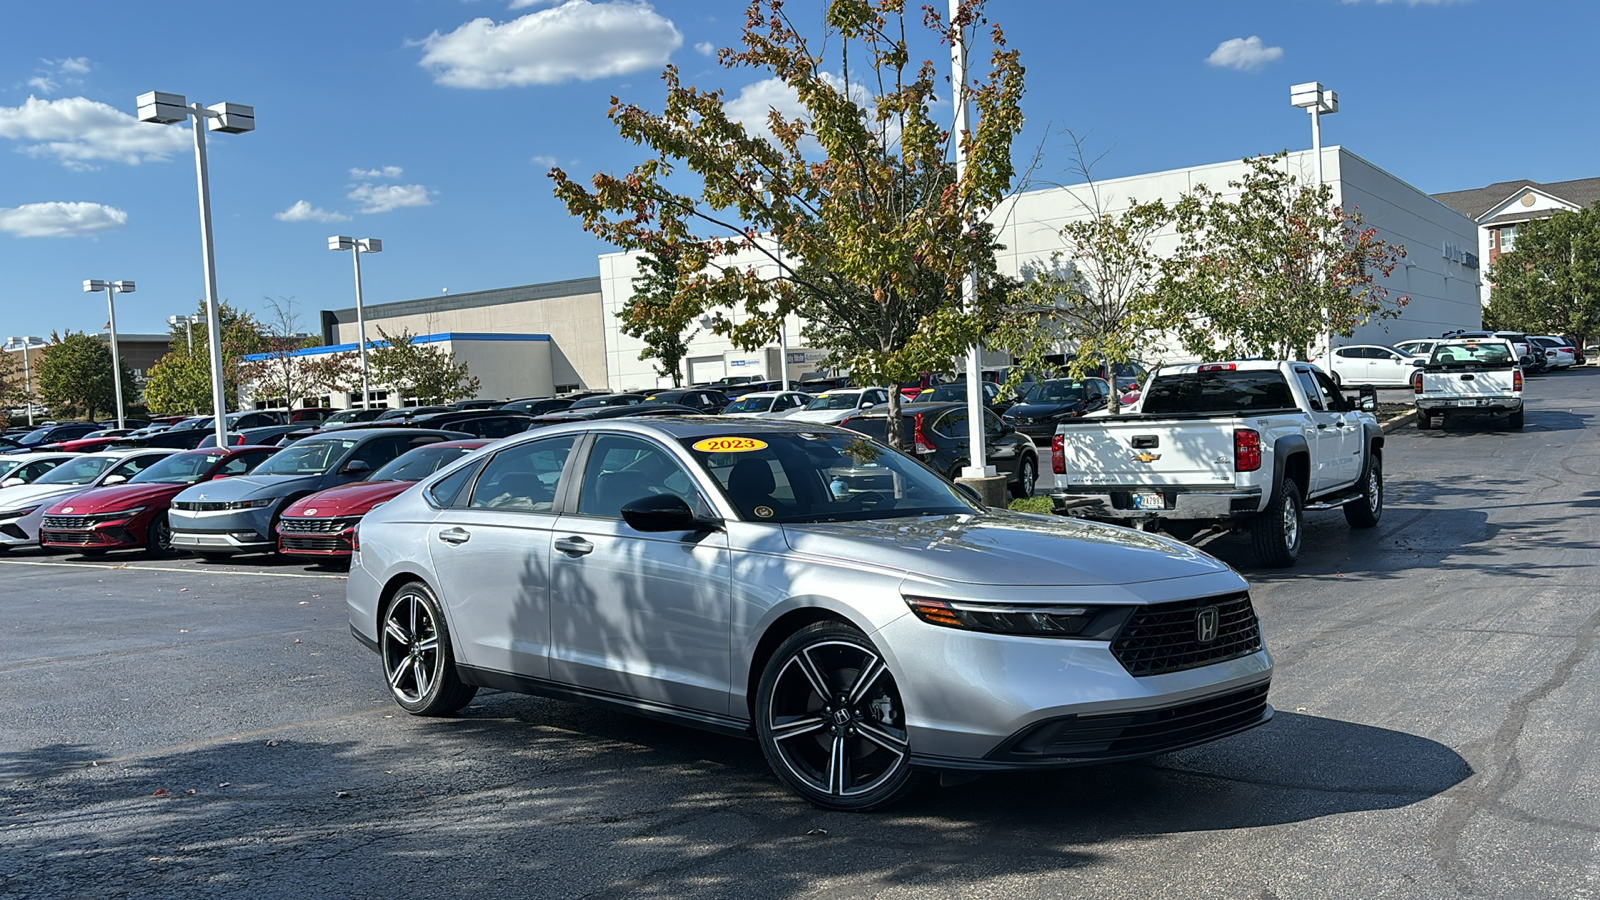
(760, 640)
(1284, 449)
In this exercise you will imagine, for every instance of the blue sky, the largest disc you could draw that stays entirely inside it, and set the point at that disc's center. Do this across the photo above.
(430, 123)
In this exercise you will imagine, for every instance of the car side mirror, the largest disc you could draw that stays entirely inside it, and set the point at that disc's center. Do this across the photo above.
(868, 405)
(114, 479)
(662, 512)
(12, 482)
(356, 467)
(970, 492)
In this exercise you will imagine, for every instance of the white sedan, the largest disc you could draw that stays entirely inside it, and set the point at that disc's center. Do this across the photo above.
(1370, 364)
(833, 407)
(768, 404)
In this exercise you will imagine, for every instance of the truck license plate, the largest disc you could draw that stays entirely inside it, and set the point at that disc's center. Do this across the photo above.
(1473, 402)
(1148, 501)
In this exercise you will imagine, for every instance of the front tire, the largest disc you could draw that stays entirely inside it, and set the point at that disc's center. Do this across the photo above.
(1275, 531)
(1027, 478)
(158, 538)
(1516, 420)
(830, 720)
(418, 661)
(1366, 510)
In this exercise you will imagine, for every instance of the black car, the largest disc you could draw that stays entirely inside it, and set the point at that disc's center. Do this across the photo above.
(1049, 402)
(625, 399)
(407, 413)
(996, 398)
(735, 391)
(55, 434)
(478, 404)
(480, 423)
(936, 434)
(707, 400)
(613, 412)
(352, 416)
(538, 406)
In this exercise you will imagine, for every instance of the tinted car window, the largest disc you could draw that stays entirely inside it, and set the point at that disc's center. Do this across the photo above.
(82, 470)
(622, 468)
(417, 464)
(375, 453)
(179, 468)
(524, 477)
(1311, 388)
(1217, 392)
(443, 493)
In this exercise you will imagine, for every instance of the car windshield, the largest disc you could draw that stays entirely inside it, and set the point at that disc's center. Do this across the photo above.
(834, 401)
(418, 464)
(179, 468)
(618, 400)
(1217, 392)
(191, 424)
(82, 470)
(309, 457)
(349, 415)
(36, 436)
(801, 477)
(1061, 391)
(948, 392)
(750, 405)
(1470, 353)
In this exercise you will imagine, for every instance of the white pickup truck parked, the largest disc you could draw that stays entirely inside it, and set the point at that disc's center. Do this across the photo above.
(1245, 445)
(1469, 377)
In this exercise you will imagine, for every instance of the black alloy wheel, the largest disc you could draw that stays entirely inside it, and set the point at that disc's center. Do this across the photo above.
(158, 537)
(1027, 477)
(418, 663)
(830, 720)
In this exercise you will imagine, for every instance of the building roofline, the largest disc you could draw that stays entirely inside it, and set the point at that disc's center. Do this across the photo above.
(453, 336)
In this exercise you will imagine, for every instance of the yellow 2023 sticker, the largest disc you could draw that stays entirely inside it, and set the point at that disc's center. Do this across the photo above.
(729, 445)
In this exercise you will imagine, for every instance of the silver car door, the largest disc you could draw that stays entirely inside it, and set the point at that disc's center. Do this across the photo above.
(643, 616)
(491, 554)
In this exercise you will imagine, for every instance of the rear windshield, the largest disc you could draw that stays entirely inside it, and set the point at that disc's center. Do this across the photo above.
(1217, 392)
(1472, 353)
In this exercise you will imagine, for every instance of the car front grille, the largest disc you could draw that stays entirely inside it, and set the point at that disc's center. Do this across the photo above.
(1164, 637)
(200, 505)
(74, 538)
(1143, 733)
(66, 522)
(319, 544)
(314, 526)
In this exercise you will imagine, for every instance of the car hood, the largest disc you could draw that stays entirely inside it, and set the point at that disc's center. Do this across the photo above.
(34, 494)
(118, 497)
(248, 487)
(828, 416)
(1005, 549)
(1043, 410)
(347, 500)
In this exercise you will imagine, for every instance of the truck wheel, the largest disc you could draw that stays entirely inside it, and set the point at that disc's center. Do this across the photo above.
(1516, 420)
(1424, 421)
(1275, 531)
(1367, 509)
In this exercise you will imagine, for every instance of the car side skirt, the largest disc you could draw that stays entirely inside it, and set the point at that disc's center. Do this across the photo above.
(539, 687)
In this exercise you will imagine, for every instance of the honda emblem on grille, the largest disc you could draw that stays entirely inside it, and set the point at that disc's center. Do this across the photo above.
(1206, 624)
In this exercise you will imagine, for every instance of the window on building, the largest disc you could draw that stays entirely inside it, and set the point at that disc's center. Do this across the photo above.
(1508, 238)
(566, 388)
(1492, 233)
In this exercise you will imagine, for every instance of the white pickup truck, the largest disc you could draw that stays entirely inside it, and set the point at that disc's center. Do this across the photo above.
(1245, 445)
(1469, 377)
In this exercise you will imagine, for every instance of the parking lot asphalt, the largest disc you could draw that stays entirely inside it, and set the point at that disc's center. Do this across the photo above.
(184, 728)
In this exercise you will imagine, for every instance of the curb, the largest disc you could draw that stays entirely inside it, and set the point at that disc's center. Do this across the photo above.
(1400, 421)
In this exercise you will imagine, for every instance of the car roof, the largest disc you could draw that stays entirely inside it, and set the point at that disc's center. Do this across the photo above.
(908, 409)
(686, 426)
(344, 434)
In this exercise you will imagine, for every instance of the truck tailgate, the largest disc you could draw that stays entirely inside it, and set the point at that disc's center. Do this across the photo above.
(1147, 451)
(1466, 383)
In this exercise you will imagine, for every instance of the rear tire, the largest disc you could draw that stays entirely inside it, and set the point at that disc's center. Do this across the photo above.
(1275, 531)
(1516, 420)
(1027, 478)
(1366, 510)
(1424, 421)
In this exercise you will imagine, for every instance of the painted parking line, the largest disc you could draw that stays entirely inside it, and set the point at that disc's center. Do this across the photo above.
(126, 567)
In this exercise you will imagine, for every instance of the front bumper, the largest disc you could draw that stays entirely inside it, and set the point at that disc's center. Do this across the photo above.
(322, 538)
(223, 531)
(1155, 501)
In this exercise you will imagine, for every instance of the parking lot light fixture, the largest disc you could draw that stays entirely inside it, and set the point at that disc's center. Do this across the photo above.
(1318, 101)
(229, 118)
(358, 246)
(187, 323)
(112, 288)
(25, 344)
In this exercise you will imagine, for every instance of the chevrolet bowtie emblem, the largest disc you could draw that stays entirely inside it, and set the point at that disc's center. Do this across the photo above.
(1147, 456)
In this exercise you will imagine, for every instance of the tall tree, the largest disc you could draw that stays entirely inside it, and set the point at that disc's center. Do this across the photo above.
(656, 315)
(74, 378)
(425, 373)
(279, 374)
(1272, 270)
(13, 387)
(180, 381)
(860, 190)
(1550, 282)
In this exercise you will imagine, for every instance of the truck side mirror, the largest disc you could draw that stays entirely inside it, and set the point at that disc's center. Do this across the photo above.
(1369, 400)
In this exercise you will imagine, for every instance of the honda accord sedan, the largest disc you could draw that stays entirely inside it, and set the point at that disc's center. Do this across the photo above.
(866, 631)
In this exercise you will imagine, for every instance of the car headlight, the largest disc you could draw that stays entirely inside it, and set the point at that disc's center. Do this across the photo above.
(252, 504)
(1094, 623)
(100, 518)
(17, 513)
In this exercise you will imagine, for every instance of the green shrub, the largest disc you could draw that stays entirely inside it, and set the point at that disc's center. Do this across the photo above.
(1033, 505)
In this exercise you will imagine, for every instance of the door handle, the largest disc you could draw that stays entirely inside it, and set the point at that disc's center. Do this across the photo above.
(455, 535)
(577, 546)
(1322, 426)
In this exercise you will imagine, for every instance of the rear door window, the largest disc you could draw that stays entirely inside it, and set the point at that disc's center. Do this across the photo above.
(522, 478)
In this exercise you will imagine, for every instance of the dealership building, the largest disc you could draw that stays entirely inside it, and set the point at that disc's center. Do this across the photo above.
(564, 335)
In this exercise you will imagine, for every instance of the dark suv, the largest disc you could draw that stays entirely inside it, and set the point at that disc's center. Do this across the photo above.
(936, 434)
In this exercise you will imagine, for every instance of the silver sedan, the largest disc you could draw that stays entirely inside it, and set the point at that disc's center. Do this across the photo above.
(864, 620)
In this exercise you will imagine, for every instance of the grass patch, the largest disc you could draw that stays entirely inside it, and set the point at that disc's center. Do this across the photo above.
(1033, 505)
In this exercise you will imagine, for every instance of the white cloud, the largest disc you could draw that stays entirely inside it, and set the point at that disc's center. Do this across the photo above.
(388, 172)
(380, 198)
(757, 100)
(79, 132)
(57, 72)
(543, 160)
(1244, 54)
(705, 48)
(303, 211)
(524, 4)
(44, 84)
(576, 40)
(73, 65)
(61, 219)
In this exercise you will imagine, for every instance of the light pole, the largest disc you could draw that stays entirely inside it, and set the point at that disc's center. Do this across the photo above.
(976, 451)
(187, 323)
(112, 288)
(1319, 101)
(783, 322)
(228, 118)
(356, 248)
(25, 344)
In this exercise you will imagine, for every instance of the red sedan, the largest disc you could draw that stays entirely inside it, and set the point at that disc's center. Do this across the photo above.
(323, 524)
(134, 514)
